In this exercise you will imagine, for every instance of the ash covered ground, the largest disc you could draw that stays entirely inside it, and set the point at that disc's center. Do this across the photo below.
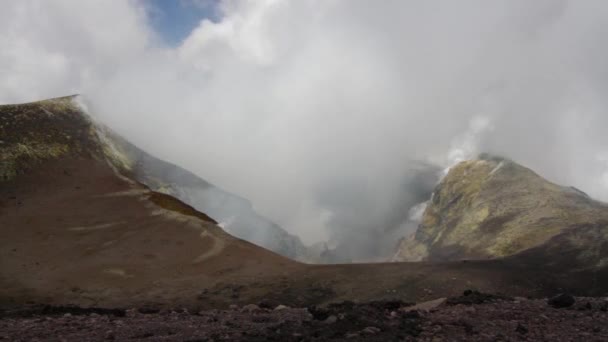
(473, 316)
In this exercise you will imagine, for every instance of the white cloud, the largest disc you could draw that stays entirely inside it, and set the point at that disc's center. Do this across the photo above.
(58, 47)
(280, 100)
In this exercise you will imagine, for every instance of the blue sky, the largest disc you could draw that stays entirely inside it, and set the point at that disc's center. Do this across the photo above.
(175, 19)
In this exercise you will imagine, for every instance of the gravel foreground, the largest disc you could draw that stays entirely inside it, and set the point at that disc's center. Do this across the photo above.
(471, 317)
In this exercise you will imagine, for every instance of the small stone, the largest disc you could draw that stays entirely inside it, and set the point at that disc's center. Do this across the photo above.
(427, 306)
(371, 330)
(110, 335)
(331, 320)
(467, 325)
(131, 312)
(521, 329)
(67, 315)
(233, 307)
(281, 307)
(250, 308)
(562, 300)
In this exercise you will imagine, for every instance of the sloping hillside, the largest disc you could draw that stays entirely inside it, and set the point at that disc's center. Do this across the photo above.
(235, 214)
(78, 227)
(493, 207)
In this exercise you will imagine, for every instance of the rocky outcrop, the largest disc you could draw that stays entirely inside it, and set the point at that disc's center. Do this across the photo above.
(493, 207)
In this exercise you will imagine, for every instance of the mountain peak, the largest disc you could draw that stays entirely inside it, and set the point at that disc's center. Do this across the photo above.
(47, 130)
(43, 130)
(493, 207)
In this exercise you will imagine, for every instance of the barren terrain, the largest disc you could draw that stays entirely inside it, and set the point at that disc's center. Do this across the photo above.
(474, 317)
(78, 228)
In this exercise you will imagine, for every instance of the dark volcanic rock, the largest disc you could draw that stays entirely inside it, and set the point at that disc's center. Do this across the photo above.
(521, 329)
(50, 310)
(530, 320)
(470, 297)
(562, 300)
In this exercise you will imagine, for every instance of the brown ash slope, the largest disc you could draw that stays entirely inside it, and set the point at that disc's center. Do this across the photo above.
(78, 227)
(236, 214)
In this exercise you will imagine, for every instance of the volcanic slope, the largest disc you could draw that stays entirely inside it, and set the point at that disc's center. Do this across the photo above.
(236, 214)
(493, 207)
(78, 227)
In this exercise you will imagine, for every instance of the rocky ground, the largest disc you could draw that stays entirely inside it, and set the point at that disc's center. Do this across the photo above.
(470, 317)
